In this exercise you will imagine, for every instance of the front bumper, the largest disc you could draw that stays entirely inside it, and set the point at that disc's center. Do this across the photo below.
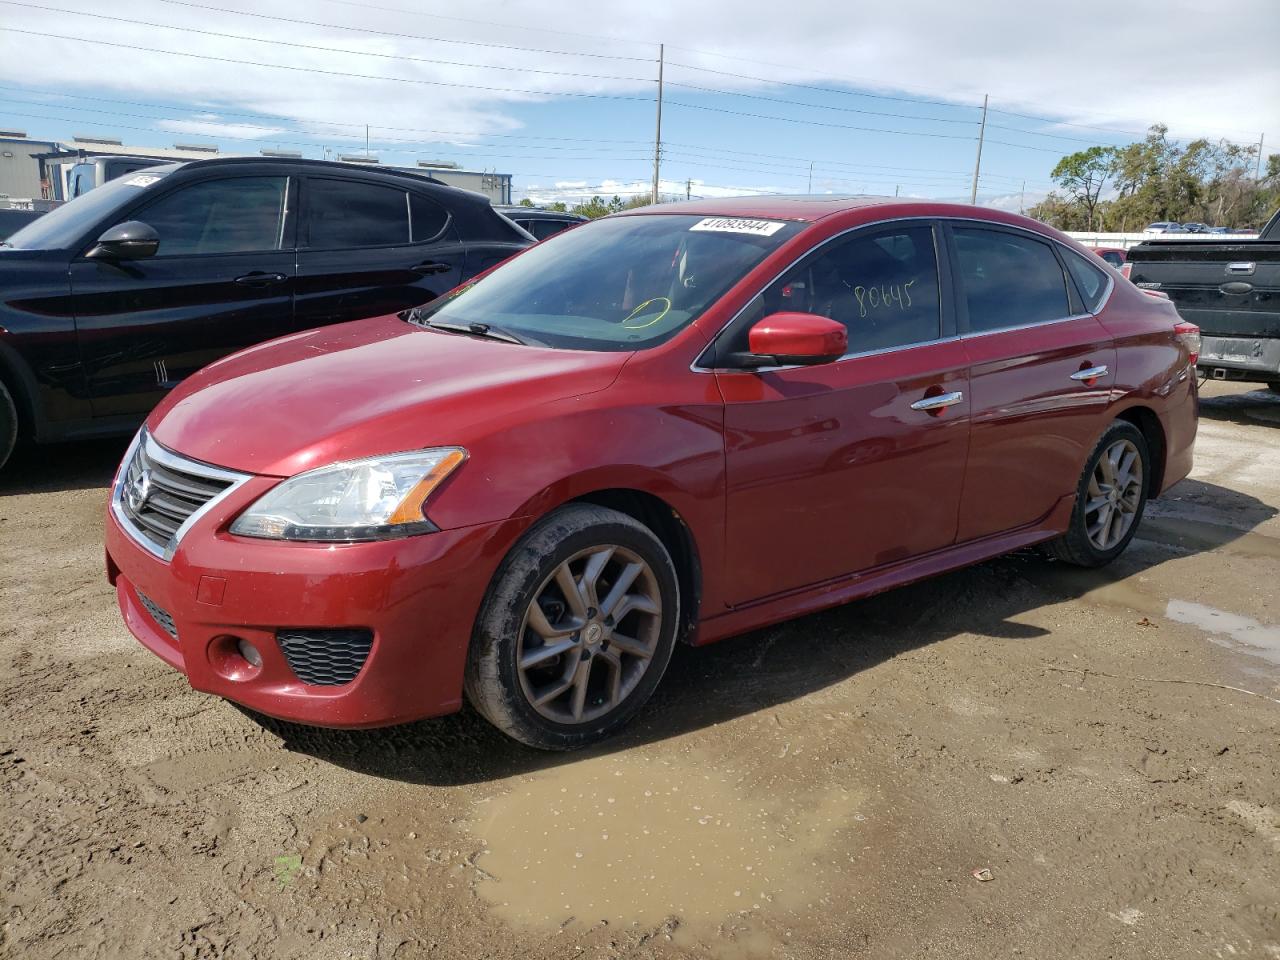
(419, 597)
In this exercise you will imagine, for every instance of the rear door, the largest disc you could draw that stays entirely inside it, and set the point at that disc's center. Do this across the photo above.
(843, 467)
(368, 249)
(221, 280)
(1041, 369)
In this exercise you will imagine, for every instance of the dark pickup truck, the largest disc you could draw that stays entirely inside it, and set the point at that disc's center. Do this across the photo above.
(1230, 290)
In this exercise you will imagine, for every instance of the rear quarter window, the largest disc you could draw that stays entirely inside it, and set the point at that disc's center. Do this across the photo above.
(1090, 282)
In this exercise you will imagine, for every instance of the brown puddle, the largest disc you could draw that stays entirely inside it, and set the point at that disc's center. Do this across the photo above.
(629, 840)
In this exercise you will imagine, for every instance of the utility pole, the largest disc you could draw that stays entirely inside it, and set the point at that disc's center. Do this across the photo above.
(977, 166)
(896, 188)
(366, 141)
(1022, 197)
(1257, 170)
(688, 188)
(810, 190)
(657, 136)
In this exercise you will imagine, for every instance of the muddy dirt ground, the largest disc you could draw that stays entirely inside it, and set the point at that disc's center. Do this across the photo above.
(821, 789)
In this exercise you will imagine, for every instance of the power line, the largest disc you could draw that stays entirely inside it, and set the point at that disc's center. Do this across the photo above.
(816, 123)
(331, 73)
(406, 36)
(815, 106)
(188, 108)
(313, 46)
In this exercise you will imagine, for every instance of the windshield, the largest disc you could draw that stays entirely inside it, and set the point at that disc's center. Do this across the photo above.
(617, 284)
(64, 226)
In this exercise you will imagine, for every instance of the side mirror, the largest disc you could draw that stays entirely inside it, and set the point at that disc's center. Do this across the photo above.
(131, 240)
(786, 339)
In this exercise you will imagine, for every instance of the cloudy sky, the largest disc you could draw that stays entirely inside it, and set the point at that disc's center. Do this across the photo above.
(876, 97)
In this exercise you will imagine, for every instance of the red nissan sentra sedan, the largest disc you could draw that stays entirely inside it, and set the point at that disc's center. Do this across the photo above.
(678, 423)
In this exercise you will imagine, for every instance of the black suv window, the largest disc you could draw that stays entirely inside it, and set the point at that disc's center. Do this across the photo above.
(1008, 279)
(1090, 281)
(235, 215)
(546, 228)
(426, 218)
(345, 213)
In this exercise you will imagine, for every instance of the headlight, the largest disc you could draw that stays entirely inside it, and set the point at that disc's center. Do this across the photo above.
(376, 499)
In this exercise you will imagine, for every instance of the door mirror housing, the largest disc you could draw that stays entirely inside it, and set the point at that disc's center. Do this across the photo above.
(131, 240)
(795, 339)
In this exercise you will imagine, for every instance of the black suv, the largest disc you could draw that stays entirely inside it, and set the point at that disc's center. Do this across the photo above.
(111, 299)
(540, 223)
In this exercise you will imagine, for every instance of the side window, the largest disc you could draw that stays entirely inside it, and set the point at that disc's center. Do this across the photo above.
(342, 214)
(236, 215)
(1008, 280)
(426, 218)
(1090, 281)
(883, 286)
(545, 228)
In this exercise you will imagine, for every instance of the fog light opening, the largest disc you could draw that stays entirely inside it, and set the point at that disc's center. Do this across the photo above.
(249, 652)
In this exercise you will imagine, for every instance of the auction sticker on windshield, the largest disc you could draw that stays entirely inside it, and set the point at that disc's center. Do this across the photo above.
(761, 228)
(141, 181)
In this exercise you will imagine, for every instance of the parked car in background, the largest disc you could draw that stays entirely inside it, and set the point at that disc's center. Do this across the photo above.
(109, 301)
(1231, 289)
(12, 220)
(1196, 228)
(540, 223)
(681, 422)
(1112, 255)
(1163, 226)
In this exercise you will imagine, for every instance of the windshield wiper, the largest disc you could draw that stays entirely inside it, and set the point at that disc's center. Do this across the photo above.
(473, 329)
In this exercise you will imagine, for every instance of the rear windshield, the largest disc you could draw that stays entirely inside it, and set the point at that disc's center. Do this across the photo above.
(617, 284)
(64, 226)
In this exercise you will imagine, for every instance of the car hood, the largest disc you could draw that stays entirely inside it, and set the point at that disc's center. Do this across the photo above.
(361, 389)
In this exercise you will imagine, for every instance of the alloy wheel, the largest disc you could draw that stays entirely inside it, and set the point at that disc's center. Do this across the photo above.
(589, 634)
(1114, 494)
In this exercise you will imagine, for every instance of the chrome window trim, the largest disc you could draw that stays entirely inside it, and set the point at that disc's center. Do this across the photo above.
(154, 451)
(994, 224)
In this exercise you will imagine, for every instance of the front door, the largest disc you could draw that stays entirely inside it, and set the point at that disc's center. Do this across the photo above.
(856, 464)
(221, 280)
(1036, 414)
(371, 249)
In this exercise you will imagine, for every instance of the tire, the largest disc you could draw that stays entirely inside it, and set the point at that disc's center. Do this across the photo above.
(8, 425)
(1274, 387)
(530, 617)
(1086, 543)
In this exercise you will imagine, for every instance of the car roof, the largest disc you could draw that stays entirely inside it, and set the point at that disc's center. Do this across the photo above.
(812, 208)
(333, 166)
(536, 213)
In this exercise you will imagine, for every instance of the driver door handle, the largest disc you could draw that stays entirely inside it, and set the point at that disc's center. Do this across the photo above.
(939, 402)
(429, 267)
(260, 278)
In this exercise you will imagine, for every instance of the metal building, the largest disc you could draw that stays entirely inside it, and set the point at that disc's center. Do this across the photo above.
(19, 168)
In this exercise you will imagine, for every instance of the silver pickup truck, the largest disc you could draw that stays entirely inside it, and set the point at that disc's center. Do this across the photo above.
(1230, 290)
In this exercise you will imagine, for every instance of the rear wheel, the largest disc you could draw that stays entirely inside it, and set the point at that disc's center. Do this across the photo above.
(8, 425)
(1110, 499)
(576, 629)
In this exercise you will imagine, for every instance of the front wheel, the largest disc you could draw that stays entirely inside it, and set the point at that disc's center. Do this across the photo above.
(576, 629)
(8, 425)
(1110, 499)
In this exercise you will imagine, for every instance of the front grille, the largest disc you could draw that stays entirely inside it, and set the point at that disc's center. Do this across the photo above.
(158, 614)
(158, 490)
(325, 657)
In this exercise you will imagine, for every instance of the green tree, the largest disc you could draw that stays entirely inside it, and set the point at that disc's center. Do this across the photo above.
(1084, 175)
(526, 202)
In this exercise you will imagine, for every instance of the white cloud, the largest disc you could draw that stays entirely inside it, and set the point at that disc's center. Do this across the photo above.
(1176, 61)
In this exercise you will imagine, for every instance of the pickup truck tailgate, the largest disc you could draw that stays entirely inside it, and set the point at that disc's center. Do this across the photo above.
(1227, 290)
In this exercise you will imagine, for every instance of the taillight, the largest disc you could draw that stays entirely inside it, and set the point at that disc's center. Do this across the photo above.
(1189, 334)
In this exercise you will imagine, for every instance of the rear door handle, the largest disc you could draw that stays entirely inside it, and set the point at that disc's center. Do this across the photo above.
(939, 402)
(1090, 373)
(259, 278)
(429, 267)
